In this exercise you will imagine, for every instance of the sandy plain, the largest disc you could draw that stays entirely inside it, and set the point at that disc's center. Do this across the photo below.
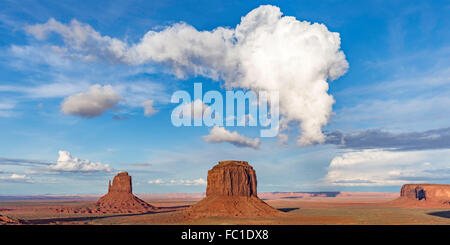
(299, 208)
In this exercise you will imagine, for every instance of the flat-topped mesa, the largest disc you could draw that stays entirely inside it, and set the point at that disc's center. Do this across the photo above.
(426, 192)
(121, 183)
(232, 178)
(231, 192)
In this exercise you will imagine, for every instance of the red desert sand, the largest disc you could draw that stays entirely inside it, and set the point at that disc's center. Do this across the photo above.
(119, 199)
(231, 192)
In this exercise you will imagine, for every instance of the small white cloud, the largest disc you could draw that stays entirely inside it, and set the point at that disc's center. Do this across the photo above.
(81, 37)
(156, 182)
(199, 181)
(67, 163)
(148, 108)
(16, 177)
(197, 108)
(220, 134)
(92, 103)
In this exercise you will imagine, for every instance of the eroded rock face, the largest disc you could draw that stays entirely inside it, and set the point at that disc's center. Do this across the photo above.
(426, 192)
(119, 199)
(231, 192)
(232, 178)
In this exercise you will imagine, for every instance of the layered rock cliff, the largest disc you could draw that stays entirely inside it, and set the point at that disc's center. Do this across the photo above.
(231, 191)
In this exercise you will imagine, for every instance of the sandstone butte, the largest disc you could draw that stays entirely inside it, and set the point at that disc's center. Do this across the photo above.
(426, 195)
(119, 199)
(231, 192)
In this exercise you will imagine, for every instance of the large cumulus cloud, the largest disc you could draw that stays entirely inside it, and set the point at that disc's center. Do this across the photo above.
(265, 51)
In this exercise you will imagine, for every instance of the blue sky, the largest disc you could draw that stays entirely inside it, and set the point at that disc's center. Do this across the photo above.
(389, 124)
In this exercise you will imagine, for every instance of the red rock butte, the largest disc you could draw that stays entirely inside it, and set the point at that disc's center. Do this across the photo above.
(119, 199)
(426, 192)
(230, 192)
(232, 178)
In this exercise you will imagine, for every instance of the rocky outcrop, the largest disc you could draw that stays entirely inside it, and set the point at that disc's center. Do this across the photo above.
(426, 192)
(119, 199)
(5, 220)
(232, 178)
(231, 192)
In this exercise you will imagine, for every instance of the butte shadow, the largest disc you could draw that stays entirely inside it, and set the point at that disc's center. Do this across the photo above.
(231, 192)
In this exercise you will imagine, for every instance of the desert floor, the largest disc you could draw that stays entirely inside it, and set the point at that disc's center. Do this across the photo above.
(361, 209)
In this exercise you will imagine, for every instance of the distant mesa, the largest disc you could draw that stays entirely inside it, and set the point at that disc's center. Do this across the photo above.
(231, 192)
(429, 195)
(426, 192)
(119, 199)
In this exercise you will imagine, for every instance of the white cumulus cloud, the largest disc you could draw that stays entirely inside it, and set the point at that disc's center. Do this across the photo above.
(18, 176)
(67, 163)
(80, 37)
(220, 134)
(265, 51)
(156, 182)
(388, 168)
(92, 103)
